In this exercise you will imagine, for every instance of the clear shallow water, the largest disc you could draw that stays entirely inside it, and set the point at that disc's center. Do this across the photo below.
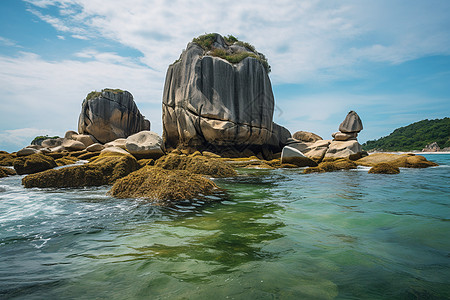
(279, 235)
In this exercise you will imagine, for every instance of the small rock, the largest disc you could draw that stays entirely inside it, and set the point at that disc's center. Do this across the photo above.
(95, 147)
(69, 134)
(306, 136)
(352, 123)
(72, 145)
(145, 143)
(116, 150)
(341, 136)
(86, 139)
(26, 152)
(121, 143)
(291, 155)
(50, 143)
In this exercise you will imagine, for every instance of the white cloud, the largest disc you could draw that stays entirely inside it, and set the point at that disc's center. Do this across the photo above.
(8, 42)
(80, 37)
(61, 37)
(48, 94)
(305, 41)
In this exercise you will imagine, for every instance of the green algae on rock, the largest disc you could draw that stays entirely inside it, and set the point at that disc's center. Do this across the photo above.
(196, 164)
(105, 169)
(384, 168)
(397, 160)
(163, 186)
(6, 172)
(33, 163)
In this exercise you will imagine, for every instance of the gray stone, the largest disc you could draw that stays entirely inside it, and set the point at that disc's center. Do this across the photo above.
(280, 137)
(145, 143)
(72, 145)
(95, 147)
(116, 150)
(306, 136)
(69, 134)
(341, 136)
(208, 101)
(352, 123)
(27, 151)
(50, 143)
(121, 143)
(293, 156)
(86, 139)
(316, 151)
(343, 149)
(37, 147)
(110, 116)
(58, 149)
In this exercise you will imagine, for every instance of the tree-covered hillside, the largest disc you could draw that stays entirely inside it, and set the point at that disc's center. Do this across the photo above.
(414, 136)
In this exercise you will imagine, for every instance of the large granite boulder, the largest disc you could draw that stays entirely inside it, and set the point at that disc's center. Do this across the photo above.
(210, 103)
(352, 123)
(344, 149)
(109, 115)
(145, 144)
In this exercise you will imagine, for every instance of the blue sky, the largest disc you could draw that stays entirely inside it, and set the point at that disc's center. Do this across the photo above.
(387, 60)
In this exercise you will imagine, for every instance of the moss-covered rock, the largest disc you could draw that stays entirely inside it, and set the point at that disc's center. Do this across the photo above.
(105, 169)
(384, 168)
(7, 159)
(33, 164)
(88, 155)
(6, 172)
(163, 186)
(331, 165)
(64, 161)
(197, 165)
(146, 162)
(396, 160)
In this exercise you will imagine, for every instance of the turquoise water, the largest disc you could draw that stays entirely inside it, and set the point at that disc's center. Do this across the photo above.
(279, 234)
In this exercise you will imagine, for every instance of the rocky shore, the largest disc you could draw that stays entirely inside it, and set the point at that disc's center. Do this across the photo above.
(217, 117)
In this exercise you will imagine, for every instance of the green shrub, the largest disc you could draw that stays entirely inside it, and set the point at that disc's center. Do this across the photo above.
(206, 41)
(95, 94)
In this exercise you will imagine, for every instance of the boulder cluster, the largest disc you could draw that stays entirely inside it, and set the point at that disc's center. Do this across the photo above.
(307, 145)
(217, 117)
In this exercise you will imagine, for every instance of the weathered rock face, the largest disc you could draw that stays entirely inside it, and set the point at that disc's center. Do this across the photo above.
(111, 115)
(352, 123)
(209, 103)
(293, 156)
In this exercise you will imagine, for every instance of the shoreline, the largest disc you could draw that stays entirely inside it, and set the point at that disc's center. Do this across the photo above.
(411, 152)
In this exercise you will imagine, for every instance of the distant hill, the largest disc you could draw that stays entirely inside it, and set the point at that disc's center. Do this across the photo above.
(414, 136)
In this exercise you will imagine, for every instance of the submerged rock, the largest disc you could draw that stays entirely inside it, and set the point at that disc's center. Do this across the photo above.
(162, 186)
(384, 168)
(33, 163)
(106, 169)
(331, 166)
(210, 103)
(109, 115)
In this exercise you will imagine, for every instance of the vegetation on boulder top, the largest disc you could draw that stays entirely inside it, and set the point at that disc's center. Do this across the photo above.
(39, 139)
(414, 136)
(95, 94)
(206, 41)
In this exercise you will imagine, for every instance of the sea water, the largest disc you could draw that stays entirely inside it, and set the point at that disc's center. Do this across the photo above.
(278, 234)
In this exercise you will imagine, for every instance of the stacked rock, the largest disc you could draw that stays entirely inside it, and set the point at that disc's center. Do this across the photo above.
(349, 128)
